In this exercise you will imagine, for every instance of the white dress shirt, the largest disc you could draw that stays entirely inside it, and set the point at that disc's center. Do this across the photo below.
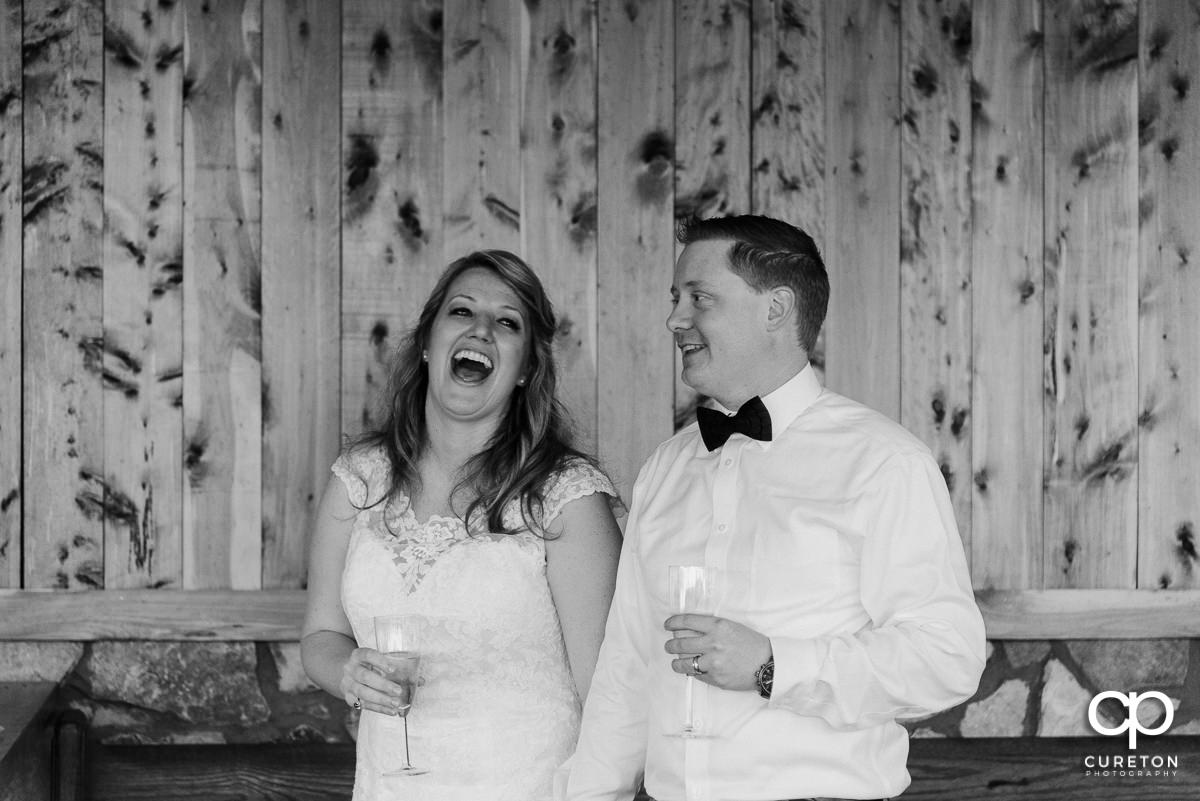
(837, 540)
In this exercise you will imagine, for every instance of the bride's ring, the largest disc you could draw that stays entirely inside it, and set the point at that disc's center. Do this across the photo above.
(696, 671)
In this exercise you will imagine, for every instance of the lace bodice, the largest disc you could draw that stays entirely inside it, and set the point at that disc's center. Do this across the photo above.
(497, 710)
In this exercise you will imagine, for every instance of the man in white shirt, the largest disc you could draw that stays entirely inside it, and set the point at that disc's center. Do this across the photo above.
(845, 601)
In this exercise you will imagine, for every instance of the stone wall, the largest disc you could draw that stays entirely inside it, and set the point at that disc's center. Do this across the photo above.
(1043, 688)
(167, 692)
(182, 692)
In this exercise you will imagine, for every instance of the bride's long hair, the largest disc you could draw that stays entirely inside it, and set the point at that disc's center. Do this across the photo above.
(533, 439)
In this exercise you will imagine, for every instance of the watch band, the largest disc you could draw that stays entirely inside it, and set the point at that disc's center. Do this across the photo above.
(764, 677)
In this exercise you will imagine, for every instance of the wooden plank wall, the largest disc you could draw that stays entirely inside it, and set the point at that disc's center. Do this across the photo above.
(862, 244)
(1006, 297)
(935, 237)
(712, 135)
(391, 117)
(10, 293)
(301, 294)
(65, 369)
(559, 189)
(143, 301)
(222, 281)
(230, 213)
(1091, 271)
(1169, 328)
(635, 229)
(787, 119)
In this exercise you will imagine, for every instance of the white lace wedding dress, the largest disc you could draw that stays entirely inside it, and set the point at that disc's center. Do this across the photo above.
(496, 712)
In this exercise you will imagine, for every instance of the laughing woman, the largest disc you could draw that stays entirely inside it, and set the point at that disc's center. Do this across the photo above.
(467, 507)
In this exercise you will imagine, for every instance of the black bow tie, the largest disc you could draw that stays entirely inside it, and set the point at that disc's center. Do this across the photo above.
(752, 419)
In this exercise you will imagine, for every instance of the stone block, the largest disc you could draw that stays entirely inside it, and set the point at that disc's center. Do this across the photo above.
(1126, 665)
(1150, 712)
(201, 683)
(1191, 727)
(193, 738)
(38, 661)
(1022, 654)
(305, 733)
(1064, 704)
(104, 718)
(1001, 714)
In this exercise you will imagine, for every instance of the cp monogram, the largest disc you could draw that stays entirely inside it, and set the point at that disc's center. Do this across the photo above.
(1131, 702)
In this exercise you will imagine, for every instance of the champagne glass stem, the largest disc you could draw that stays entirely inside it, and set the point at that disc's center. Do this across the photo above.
(689, 722)
(407, 758)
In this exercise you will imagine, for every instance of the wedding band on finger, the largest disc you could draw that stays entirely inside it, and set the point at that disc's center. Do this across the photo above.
(696, 671)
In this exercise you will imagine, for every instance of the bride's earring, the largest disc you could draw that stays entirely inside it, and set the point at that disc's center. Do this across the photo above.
(424, 355)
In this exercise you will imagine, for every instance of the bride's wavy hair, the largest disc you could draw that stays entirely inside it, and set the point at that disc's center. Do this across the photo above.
(533, 438)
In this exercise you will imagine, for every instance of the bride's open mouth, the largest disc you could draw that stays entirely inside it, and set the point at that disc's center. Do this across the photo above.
(471, 366)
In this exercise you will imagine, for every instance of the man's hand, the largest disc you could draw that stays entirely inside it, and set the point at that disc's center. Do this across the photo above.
(729, 653)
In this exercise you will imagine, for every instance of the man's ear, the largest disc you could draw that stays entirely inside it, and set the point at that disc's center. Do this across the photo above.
(781, 308)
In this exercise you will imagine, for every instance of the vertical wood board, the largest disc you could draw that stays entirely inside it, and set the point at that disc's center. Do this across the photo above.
(300, 280)
(862, 250)
(63, 336)
(391, 188)
(142, 349)
(787, 120)
(712, 124)
(1091, 294)
(635, 240)
(1006, 241)
(482, 182)
(935, 238)
(1169, 357)
(11, 368)
(558, 156)
(222, 404)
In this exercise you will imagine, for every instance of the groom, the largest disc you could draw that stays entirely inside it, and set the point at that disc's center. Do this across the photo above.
(846, 602)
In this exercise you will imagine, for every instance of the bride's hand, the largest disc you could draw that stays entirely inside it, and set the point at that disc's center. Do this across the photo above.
(364, 686)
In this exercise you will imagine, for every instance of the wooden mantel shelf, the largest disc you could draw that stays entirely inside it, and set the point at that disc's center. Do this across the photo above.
(197, 615)
(276, 615)
(1090, 614)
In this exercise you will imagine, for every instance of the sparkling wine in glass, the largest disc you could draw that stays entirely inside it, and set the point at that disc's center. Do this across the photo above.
(398, 638)
(693, 588)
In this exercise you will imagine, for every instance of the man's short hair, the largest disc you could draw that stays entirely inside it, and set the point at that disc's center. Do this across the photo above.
(767, 253)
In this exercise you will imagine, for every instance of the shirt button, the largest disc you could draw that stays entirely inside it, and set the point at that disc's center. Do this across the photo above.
(722, 527)
(728, 462)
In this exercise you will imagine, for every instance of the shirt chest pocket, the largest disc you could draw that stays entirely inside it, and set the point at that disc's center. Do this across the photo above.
(804, 556)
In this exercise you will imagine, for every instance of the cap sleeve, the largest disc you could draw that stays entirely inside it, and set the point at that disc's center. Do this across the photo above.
(575, 480)
(364, 474)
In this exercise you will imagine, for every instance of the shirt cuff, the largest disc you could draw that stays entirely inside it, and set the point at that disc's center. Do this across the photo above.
(797, 663)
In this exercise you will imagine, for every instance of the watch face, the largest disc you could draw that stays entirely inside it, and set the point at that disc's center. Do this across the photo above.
(766, 677)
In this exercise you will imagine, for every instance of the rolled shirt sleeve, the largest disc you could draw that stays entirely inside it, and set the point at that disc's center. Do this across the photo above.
(924, 648)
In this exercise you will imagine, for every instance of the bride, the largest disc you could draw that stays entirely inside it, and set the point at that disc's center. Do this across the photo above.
(467, 506)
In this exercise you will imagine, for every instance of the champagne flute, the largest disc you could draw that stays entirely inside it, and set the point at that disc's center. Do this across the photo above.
(398, 638)
(693, 588)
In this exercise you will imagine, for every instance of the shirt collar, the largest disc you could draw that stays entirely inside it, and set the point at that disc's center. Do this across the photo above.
(790, 400)
(787, 402)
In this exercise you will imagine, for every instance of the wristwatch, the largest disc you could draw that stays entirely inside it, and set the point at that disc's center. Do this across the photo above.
(764, 677)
